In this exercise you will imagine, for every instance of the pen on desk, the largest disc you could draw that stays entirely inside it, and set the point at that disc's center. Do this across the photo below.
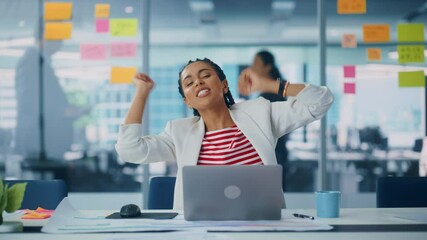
(302, 216)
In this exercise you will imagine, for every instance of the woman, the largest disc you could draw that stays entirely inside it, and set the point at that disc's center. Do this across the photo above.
(264, 64)
(221, 132)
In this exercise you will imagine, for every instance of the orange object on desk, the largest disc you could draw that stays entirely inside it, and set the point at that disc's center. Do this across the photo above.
(39, 213)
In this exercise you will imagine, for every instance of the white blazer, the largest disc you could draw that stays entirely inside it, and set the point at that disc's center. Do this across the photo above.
(261, 121)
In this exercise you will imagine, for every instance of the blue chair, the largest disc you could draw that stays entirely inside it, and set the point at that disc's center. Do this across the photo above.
(395, 192)
(161, 193)
(41, 193)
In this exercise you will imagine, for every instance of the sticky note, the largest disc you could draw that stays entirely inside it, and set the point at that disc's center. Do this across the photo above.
(351, 6)
(376, 33)
(58, 10)
(123, 49)
(410, 32)
(348, 41)
(102, 25)
(349, 88)
(122, 75)
(412, 79)
(410, 53)
(91, 51)
(102, 10)
(57, 30)
(374, 54)
(349, 71)
(123, 27)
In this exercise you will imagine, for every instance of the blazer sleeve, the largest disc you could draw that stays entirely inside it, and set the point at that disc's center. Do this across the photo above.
(133, 148)
(309, 105)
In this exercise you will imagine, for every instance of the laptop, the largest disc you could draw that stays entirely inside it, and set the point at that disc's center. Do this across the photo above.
(232, 192)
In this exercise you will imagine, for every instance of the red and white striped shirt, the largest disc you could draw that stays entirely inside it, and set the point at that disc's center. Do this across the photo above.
(228, 146)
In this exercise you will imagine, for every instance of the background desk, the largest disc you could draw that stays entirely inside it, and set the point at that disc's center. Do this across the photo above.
(349, 216)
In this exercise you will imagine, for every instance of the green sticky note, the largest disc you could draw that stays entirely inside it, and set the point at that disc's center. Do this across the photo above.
(123, 27)
(410, 32)
(412, 79)
(411, 53)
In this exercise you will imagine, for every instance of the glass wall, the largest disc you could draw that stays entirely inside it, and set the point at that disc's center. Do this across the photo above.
(371, 133)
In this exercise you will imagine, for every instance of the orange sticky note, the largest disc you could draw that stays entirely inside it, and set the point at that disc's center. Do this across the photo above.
(102, 10)
(373, 54)
(57, 30)
(122, 75)
(348, 41)
(376, 33)
(58, 10)
(36, 215)
(351, 6)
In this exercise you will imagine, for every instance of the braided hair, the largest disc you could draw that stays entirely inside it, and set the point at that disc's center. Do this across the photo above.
(228, 98)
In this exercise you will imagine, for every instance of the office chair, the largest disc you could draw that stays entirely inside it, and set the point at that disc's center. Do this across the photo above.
(395, 192)
(41, 193)
(161, 193)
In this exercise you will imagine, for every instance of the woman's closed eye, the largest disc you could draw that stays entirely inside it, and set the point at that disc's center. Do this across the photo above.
(188, 84)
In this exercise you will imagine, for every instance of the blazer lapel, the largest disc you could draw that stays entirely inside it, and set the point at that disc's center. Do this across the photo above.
(255, 136)
(193, 143)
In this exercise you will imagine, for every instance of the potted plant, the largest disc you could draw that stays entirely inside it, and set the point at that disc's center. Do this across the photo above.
(11, 197)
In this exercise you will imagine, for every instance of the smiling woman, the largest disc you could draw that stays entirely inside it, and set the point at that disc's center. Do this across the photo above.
(221, 132)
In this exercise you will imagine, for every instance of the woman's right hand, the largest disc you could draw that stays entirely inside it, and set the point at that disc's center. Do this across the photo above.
(143, 82)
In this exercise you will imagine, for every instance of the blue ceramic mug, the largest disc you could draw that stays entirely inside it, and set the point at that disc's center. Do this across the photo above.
(328, 204)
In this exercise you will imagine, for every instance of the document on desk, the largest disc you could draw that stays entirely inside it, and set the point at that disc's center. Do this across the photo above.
(67, 219)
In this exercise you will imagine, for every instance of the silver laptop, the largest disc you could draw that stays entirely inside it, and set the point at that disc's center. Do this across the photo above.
(232, 192)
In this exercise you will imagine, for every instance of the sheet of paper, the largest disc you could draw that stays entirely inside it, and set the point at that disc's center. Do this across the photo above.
(67, 219)
(57, 10)
(348, 41)
(102, 10)
(412, 79)
(351, 6)
(93, 51)
(374, 54)
(349, 88)
(102, 25)
(123, 49)
(410, 32)
(122, 75)
(411, 53)
(349, 71)
(57, 30)
(123, 27)
(376, 33)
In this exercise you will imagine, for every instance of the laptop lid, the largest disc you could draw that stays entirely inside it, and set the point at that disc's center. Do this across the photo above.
(232, 192)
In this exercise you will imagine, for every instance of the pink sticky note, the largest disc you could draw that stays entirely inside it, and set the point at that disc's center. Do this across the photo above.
(93, 51)
(349, 88)
(123, 49)
(102, 25)
(350, 71)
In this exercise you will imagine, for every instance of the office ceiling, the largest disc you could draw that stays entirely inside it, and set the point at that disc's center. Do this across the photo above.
(225, 21)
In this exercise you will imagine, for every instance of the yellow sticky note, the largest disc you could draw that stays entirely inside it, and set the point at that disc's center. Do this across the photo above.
(122, 75)
(351, 6)
(123, 27)
(376, 33)
(412, 79)
(102, 10)
(58, 10)
(57, 30)
(374, 54)
(411, 53)
(410, 32)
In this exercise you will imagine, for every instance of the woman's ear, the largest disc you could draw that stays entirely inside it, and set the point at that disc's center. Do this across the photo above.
(225, 86)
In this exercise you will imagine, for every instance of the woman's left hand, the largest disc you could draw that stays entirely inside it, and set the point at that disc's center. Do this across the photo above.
(250, 81)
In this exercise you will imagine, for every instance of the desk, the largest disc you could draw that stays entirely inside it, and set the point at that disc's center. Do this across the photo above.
(353, 216)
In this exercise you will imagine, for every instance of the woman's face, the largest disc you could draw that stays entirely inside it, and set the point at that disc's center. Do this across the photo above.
(260, 67)
(202, 87)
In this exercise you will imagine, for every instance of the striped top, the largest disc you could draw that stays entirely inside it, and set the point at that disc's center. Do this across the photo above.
(228, 146)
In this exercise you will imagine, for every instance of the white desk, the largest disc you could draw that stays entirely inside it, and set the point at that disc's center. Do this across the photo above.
(353, 216)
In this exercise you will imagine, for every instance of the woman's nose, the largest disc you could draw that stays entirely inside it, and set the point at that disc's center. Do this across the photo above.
(199, 82)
